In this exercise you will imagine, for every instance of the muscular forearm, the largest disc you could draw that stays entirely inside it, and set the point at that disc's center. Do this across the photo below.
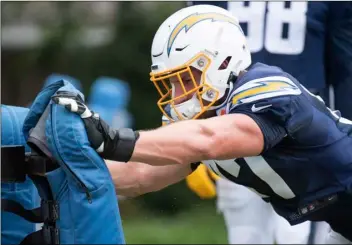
(125, 178)
(177, 143)
(133, 179)
(155, 178)
(224, 137)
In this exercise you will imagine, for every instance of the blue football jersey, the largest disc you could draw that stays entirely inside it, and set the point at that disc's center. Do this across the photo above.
(308, 148)
(310, 40)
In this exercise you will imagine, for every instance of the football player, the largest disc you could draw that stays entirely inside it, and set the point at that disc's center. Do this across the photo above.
(257, 125)
(294, 36)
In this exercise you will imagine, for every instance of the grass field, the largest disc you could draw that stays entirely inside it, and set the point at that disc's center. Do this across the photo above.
(197, 226)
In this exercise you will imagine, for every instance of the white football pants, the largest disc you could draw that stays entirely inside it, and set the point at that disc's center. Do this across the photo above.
(335, 238)
(250, 220)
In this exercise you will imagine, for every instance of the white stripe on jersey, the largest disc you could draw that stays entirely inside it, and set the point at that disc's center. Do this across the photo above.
(262, 88)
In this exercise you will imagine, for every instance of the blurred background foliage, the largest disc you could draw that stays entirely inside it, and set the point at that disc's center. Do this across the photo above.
(91, 39)
(79, 40)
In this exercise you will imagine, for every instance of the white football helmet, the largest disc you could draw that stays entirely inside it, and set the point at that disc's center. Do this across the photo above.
(204, 37)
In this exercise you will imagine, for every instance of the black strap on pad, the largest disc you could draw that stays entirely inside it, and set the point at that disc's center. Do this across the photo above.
(15, 165)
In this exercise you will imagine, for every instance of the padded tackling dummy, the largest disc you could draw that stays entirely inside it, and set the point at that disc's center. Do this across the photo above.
(13, 227)
(54, 77)
(82, 185)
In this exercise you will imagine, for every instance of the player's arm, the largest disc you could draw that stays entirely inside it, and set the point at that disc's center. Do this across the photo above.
(133, 178)
(223, 137)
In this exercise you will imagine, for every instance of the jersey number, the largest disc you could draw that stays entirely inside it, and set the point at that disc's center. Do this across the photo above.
(271, 34)
(260, 168)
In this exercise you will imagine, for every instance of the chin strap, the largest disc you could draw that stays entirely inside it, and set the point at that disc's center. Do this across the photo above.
(187, 109)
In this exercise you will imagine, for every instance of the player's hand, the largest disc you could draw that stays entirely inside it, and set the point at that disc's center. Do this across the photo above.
(111, 144)
(202, 182)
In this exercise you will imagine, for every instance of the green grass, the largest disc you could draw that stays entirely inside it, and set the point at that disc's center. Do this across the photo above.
(198, 226)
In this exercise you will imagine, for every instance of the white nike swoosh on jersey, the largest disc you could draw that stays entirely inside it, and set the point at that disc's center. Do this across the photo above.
(256, 109)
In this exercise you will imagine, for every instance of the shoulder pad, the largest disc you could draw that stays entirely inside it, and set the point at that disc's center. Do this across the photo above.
(263, 88)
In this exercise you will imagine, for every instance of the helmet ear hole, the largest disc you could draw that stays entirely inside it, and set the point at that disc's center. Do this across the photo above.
(225, 63)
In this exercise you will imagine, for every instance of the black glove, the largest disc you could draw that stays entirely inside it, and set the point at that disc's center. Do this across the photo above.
(111, 144)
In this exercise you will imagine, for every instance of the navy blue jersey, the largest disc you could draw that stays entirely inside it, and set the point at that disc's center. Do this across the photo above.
(310, 40)
(307, 153)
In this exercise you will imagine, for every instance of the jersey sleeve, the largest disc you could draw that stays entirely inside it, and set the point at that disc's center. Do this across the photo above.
(275, 104)
(339, 43)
